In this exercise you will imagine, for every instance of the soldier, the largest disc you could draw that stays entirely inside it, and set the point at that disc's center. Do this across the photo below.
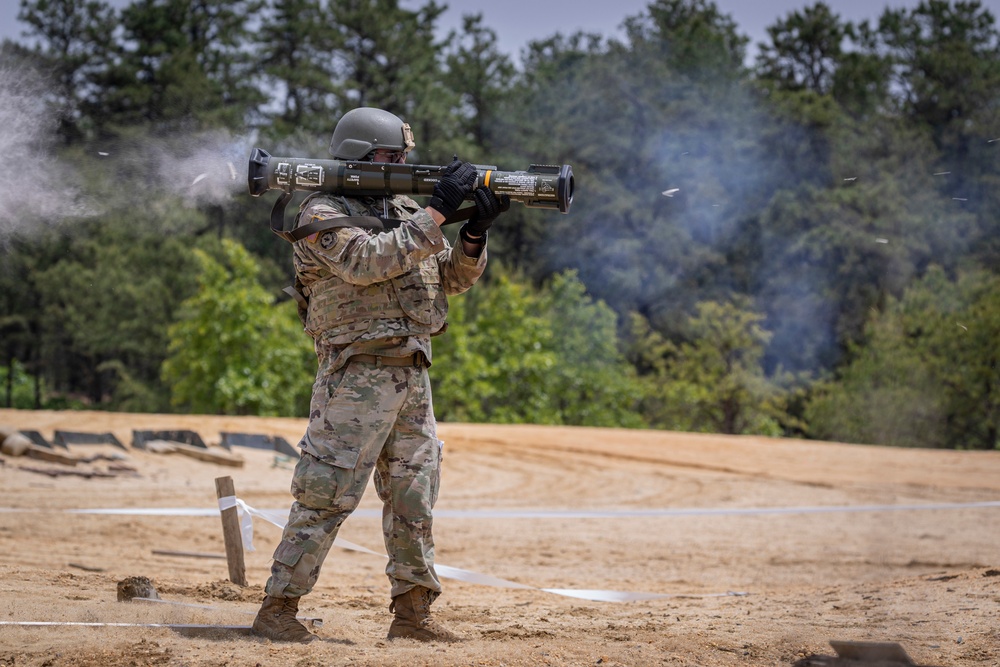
(371, 299)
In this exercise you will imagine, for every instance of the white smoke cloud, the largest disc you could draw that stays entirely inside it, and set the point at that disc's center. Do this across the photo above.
(197, 169)
(209, 168)
(35, 187)
(38, 188)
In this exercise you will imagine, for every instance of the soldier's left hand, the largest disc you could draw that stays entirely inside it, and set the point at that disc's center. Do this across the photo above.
(457, 181)
(488, 208)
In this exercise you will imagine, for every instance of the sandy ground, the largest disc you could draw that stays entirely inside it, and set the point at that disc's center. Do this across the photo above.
(927, 578)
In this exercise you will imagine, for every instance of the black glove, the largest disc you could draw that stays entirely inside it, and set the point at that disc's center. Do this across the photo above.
(488, 208)
(453, 187)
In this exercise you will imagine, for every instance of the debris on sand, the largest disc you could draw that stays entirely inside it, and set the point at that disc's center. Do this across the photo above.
(136, 587)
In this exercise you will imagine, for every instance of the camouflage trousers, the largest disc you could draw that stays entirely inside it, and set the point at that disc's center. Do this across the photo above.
(364, 418)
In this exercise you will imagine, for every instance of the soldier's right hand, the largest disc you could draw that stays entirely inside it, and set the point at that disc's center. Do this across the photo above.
(456, 183)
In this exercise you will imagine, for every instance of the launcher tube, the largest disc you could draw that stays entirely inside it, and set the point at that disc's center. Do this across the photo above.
(540, 186)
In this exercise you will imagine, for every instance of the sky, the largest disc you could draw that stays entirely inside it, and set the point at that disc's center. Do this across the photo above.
(517, 22)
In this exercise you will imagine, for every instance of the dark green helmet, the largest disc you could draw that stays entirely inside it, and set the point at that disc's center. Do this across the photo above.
(360, 131)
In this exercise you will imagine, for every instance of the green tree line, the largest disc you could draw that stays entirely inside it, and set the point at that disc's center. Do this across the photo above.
(802, 243)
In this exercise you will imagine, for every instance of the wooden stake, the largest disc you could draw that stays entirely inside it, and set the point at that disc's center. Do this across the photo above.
(231, 533)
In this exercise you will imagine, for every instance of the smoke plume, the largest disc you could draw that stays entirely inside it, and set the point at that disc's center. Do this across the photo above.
(43, 188)
(36, 187)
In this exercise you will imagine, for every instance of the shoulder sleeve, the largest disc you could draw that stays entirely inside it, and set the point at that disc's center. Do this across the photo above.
(319, 210)
(459, 272)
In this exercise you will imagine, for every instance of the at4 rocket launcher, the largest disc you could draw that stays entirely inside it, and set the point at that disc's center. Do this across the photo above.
(541, 186)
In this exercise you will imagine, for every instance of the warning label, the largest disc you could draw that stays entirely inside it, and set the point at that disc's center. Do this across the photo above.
(520, 185)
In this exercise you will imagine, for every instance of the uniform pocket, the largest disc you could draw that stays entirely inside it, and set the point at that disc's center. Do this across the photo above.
(330, 406)
(316, 484)
(288, 553)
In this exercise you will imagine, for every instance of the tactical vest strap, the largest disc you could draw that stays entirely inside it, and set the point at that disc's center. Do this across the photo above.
(297, 295)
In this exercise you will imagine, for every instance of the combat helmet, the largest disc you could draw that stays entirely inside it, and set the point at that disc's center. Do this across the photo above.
(360, 131)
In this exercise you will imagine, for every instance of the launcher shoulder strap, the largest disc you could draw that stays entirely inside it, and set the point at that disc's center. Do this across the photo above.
(299, 233)
(365, 221)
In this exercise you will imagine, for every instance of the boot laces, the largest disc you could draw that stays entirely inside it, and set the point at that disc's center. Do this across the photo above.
(423, 602)
(427, 620)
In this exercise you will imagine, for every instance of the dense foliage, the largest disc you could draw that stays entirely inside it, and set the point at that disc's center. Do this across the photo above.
(803, 243)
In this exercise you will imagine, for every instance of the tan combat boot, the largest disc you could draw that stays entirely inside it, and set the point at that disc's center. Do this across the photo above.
(276, 621)
(413, 618)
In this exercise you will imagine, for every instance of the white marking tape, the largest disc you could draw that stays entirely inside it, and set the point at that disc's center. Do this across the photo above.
(697, 511)
(246, 521)
(277, 515)
(173, 626)
(279, 518)
(315, 622)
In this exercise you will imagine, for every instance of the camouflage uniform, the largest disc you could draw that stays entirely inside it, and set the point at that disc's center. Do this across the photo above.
(380, 294)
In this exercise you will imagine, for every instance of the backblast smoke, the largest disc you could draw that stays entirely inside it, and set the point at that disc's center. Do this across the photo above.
(41, 189)
(36, 188)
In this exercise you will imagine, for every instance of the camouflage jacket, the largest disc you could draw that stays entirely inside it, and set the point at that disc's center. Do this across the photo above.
(383, 292)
